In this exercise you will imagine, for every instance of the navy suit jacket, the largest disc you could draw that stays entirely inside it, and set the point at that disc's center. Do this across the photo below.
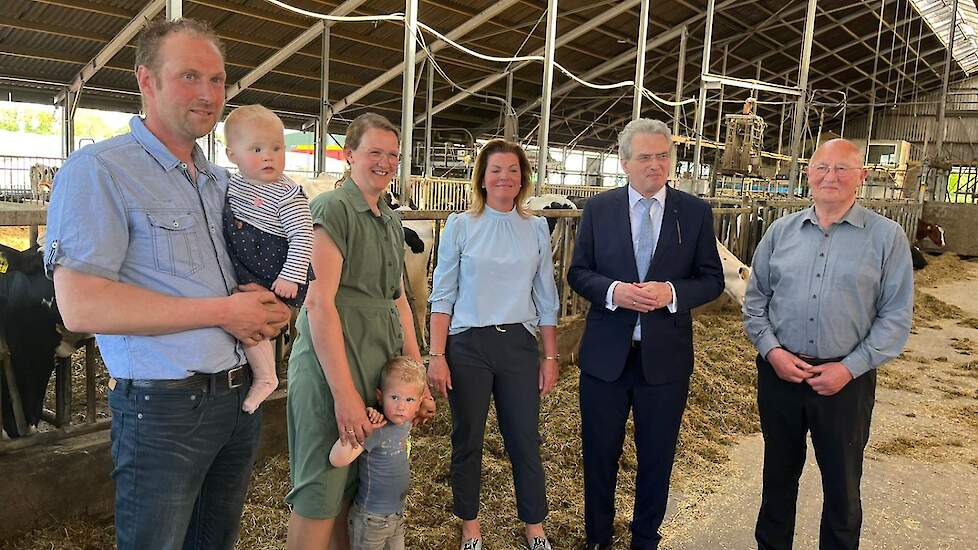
(685, 255)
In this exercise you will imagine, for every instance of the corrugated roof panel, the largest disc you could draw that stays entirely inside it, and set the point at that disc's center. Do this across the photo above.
(937, 14)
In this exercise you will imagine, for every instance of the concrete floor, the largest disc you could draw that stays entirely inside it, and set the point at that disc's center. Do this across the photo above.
(922, 497)
(906, 504)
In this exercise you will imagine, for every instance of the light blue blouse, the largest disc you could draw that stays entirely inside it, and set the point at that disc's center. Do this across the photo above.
(495, 269)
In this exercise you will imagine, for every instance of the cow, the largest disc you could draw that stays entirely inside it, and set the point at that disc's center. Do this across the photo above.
(42, 179)
(29, 323)
(735, 274)
(419, 240)
(578, 201)
(735, 277)
(317, 185)
(925, 230)
(550, 201)
(932, 231)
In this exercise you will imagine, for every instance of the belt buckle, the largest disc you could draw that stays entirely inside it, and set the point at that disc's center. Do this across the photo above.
(231, 373)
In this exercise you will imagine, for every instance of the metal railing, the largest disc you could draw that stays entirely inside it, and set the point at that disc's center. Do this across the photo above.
(453, 195)
(27, 178)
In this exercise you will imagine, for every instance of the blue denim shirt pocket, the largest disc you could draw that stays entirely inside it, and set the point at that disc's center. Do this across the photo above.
(175, 243)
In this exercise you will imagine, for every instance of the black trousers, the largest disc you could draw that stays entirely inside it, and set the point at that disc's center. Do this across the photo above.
(500, 362)
(839, 425)
(658, 411)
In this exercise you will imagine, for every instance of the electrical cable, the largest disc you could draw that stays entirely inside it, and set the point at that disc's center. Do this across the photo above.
(399, 17)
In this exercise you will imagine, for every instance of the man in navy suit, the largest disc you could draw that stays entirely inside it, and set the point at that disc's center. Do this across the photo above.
(645, 256)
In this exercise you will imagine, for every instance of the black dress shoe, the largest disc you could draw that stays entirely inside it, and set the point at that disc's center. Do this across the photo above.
(597, 546)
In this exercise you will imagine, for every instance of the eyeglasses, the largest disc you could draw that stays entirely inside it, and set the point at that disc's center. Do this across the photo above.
(647, 157)
(840, 171)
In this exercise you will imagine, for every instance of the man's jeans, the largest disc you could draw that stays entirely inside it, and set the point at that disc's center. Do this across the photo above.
(375, 531)
(182, 460)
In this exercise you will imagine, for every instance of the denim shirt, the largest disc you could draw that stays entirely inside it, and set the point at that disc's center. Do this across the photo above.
(124, 209)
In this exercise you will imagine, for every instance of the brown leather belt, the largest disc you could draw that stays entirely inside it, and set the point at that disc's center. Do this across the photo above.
(816, 361)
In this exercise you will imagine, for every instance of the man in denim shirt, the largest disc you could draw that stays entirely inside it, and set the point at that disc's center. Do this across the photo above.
(137, 254)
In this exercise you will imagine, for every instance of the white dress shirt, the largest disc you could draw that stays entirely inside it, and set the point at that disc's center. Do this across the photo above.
(655, 214)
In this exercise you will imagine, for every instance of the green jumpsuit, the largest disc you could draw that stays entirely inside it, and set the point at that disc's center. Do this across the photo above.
(373, 258)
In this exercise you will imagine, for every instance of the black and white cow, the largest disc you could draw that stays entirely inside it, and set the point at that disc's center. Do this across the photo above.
(419, 240)
(550, 201)
(29, 324)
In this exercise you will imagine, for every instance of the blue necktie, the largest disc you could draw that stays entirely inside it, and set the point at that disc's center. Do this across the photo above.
(646, 237)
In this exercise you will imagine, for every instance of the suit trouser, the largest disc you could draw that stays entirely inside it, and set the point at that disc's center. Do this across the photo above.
(839, 425)
(500, 362)
(658, 411)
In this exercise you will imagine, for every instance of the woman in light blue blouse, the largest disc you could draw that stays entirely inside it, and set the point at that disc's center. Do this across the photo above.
(493, 289)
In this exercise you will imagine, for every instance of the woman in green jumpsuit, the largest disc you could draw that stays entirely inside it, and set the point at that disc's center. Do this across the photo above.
(355, 318)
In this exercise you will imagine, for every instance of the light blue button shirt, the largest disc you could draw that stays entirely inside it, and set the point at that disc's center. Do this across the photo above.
(124, 209)
(495, 269)
(635, 215)
(845, 291)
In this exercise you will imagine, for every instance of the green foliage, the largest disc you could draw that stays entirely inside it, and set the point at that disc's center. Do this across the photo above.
(88, 123)
(30, 121)
(961, 187)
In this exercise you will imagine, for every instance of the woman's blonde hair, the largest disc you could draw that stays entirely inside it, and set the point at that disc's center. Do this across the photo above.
(479, 175)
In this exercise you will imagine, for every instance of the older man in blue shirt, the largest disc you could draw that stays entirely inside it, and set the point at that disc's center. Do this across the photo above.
(137, 254)
(829, 300)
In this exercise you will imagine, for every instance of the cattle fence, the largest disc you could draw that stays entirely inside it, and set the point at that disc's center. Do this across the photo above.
(27, 178)
(452, 195)
(739, 224)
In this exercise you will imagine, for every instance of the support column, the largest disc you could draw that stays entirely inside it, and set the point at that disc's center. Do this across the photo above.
(757, 77)
(325, 114)
(643, 31)
(800, 111)
(784, 108)
(212, 146)
(548, 77)
(407, 95)
(845, 106)
(429, 101)
(174, 9)
(701, 104)
(723, 71)
(601, 157)
(939, 190)
(821, 123)
(872, 90)
(68, 104)
(510, 121)
(680, 76)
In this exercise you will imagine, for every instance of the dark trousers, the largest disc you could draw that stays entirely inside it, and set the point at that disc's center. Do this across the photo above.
(658, 411)
(839, 425)
(487, 362)
(183, 460)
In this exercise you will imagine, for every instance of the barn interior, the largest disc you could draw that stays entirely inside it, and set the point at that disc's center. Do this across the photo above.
(749, 88)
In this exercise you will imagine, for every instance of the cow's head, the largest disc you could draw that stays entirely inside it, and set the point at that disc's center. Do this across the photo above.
(932, 231)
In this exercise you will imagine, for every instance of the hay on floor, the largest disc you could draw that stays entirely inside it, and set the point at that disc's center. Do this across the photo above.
(721, 405)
